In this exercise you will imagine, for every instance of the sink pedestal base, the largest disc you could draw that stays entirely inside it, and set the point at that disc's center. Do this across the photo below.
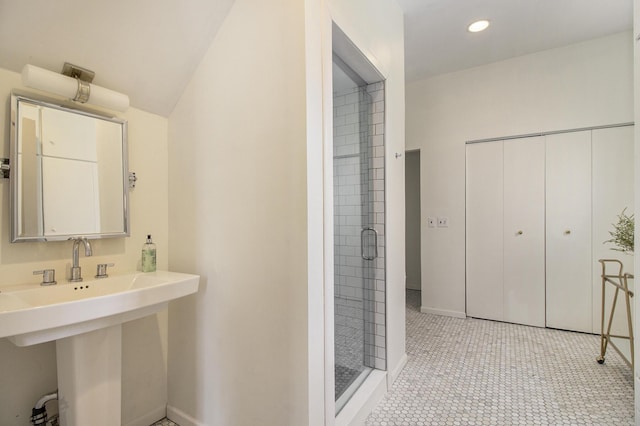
(89, 378)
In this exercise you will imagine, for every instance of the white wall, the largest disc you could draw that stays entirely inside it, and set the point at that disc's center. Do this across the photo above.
(586, 84)
(28, 373)
(238, 214)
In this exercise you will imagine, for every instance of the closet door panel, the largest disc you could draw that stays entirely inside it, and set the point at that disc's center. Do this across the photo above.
(524, 220)
(612, 192)
(568, 231)
(484, 231)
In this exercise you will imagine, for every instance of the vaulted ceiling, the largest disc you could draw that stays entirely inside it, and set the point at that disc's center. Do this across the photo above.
(149, 49)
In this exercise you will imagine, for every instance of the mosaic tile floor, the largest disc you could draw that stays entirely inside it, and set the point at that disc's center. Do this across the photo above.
(476, 372)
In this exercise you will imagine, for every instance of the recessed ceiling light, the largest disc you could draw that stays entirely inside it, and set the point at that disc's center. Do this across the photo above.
(478, 26)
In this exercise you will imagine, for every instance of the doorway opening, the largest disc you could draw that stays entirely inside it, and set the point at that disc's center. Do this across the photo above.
(412, 220)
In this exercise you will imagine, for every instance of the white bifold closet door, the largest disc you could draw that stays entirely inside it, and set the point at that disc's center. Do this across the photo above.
(505, 231)
(524, 248)
(569, 301)
(485, 249)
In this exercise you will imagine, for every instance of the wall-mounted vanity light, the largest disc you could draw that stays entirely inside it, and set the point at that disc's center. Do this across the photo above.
(74, 83)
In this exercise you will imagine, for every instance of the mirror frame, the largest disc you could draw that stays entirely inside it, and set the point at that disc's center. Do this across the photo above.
(73, 108)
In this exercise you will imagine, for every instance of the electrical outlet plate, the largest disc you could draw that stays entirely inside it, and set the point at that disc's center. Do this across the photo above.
(443, 222)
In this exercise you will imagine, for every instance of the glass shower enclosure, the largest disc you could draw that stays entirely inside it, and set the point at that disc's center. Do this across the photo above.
(359, 217)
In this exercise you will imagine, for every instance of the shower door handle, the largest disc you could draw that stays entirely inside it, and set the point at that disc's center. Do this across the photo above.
(375, 243)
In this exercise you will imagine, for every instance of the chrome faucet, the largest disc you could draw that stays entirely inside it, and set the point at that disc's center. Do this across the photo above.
(76, 272)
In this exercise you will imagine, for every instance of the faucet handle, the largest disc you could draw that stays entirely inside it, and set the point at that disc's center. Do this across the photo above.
(48, 276)
(101, 270)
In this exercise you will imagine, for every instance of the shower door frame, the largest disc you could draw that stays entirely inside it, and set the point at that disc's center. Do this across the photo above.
(328, 211)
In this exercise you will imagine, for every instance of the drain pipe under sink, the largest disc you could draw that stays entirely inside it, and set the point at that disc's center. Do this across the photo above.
(39, 412)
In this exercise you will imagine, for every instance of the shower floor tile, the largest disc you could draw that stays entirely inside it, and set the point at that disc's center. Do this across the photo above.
(477, 372)
(344, 376)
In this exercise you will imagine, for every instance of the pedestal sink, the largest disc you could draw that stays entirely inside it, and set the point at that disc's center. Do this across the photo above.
(85, 319)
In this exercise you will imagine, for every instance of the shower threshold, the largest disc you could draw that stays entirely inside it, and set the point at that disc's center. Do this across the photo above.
(352, 388)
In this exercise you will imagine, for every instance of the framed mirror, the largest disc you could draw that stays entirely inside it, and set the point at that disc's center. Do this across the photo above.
(69, 174)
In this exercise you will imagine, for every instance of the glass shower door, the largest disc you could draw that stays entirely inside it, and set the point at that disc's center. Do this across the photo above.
(359, 281)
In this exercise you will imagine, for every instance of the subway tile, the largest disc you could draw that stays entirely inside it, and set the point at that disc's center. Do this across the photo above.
(379, 318)
(376, 96)
(377, 140)
(380, 364)
(353, 261)
(340, 150)
(377, 86)
(352, 98)
(338, 100)
(338, 141)
(346, 129)
(354, 220)
(346, 109)
(377, 162)
(352, 139)
(353, 118)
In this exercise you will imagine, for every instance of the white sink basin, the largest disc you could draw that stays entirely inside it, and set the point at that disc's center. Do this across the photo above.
(31, 314)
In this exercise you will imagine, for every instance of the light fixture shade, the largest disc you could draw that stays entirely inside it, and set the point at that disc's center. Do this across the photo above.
(478, 26)
(49, 81)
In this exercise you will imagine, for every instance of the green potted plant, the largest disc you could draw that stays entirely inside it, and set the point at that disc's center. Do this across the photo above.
(622, 234)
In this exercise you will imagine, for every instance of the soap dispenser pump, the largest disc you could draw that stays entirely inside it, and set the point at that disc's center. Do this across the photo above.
(148, 255)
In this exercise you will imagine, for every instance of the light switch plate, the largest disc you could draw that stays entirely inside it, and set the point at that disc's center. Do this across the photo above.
(431, 222)
(443, 222)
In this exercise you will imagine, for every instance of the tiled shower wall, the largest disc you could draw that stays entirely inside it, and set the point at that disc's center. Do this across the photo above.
(359, 203)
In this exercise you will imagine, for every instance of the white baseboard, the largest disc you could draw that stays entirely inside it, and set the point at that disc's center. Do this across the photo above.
(443, 312)
(149, 418)
(182, 418)
(395, 372)
(363, 401)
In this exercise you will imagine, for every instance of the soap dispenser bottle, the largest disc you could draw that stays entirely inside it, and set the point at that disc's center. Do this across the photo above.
(148, 255)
